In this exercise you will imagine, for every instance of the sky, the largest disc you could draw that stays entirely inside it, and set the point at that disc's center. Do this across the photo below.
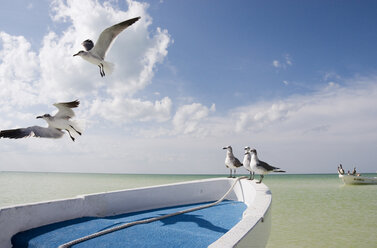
(296, 80)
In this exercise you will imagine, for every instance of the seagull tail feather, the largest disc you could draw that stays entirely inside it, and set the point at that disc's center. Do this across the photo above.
(278, 170)
(108, 67)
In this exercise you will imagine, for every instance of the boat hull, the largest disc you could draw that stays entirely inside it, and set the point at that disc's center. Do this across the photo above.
(350, 179)
(251, 231)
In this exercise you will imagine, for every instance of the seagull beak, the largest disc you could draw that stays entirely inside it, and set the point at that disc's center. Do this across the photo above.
(76, 54)
(39, 117)
(225, 148)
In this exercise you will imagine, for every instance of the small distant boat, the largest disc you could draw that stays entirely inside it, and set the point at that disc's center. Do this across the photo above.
(56, 223)
(354, 179)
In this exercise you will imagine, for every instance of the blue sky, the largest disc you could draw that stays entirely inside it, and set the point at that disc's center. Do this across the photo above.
(297, 80)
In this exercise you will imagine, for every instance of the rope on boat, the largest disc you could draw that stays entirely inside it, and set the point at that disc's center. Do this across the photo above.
(117, 228)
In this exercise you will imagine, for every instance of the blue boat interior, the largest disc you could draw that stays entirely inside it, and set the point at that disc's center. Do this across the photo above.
(195, 229)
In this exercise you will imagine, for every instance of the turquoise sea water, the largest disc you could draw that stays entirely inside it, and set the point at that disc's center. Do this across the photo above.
(307, 210)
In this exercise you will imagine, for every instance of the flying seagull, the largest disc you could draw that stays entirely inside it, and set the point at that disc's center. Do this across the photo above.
(95, 54)
(260, 167)
(231, 162)
(60, 121)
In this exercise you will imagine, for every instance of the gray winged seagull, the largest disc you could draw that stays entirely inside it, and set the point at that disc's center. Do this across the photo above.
(60, 121)
(231, 161)
(95, 54)
(254, 165)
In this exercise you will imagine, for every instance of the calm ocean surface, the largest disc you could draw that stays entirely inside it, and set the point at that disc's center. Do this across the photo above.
(307, 210)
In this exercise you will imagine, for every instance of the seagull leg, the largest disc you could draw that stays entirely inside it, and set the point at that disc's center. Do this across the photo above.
(250, 176)
(253, 175)
(100, 71)
(261, 178)
(73, 139)
(75, 129)
(230, 175)
(103, 71)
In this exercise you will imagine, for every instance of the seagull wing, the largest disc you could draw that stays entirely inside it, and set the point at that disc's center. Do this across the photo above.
(108, 35)
(237, 163)
(34, 131)
(65, 109)
(266, 166)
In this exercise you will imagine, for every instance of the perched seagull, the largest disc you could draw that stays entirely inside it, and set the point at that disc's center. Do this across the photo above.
(60, 121)
(231, 162)
(246, 162)
(260, 167)
(95, 54)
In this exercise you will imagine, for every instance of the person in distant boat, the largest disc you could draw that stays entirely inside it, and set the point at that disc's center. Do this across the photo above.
(348, 173)
(354, 171)
(340, 170)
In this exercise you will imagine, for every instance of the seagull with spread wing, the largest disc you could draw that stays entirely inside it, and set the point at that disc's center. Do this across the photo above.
(95, 54)
(60, 121)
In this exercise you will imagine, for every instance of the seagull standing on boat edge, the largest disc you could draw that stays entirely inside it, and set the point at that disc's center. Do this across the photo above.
(231, 162)
(259, 167)
(60, 121)
(246, 162)
(95, 54)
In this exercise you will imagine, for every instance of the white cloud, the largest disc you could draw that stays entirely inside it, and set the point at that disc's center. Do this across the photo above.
(52, 74)
(338, 108)
(283, 64)
(124, 110)
(18, 69)
(256, 118)
(188, 117)
(288, 59)
(276, 64)
(331, 76)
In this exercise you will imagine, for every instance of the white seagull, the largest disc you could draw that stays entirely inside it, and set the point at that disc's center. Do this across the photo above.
(60, 121)
(231, 162)
(95, 54)
(259, 167)
(246, 162)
